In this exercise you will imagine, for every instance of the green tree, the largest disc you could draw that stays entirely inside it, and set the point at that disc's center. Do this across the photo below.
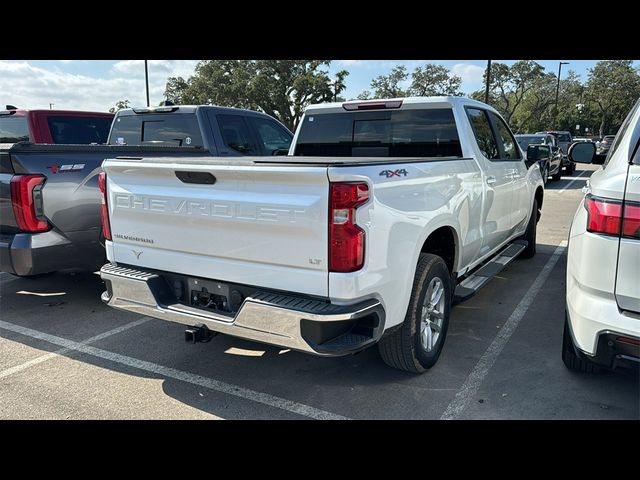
(280, 88)
(120, 104)
(510, 86)
(612, 87)
(388, 86)
(432, 80)
(175, 89)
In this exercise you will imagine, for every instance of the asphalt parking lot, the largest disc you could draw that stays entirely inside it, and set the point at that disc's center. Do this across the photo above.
(67, 356)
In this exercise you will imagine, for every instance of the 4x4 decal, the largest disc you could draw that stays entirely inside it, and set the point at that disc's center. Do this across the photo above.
(394, 173)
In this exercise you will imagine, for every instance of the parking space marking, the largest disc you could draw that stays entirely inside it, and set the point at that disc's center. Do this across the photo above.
(62, 351)
(211, 384)
(480, 371)
(574, 179)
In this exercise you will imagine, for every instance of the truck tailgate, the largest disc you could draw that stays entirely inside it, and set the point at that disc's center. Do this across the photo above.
(260, 225)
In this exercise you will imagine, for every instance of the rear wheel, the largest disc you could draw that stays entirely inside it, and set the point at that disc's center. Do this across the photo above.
(571, 360)
(571, 168)
(556, 176)
(530, 233)
(416, 344)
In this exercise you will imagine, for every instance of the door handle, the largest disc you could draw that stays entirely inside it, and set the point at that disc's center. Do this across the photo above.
(491, 180)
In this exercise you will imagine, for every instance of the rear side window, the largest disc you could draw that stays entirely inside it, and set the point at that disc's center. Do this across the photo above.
(271, 135)
(483, 133)
(385, 133)
(564, 137)
(79, 130)
(13, 129)
(509, 149)
(236, 134)
(173, 129)
(617, 139)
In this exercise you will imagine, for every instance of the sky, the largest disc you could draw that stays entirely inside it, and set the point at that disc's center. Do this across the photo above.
(98, 84)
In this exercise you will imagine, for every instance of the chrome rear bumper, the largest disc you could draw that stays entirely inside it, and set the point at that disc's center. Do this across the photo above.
(295, 322)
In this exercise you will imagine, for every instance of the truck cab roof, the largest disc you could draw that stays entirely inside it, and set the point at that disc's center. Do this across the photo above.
(394, 103)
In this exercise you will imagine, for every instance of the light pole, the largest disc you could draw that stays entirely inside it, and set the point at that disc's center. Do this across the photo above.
(558, 90)
(51, 105)
(486, 89)
(146, 79)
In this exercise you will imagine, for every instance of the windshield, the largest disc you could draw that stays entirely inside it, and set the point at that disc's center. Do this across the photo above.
(525, 140)
(384, 133)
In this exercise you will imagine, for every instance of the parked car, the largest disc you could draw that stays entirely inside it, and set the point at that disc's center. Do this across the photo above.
(336, 246)
(565, 140)
(605, 144)
(49, 196)
(602, 324)
(550, 159)
(54, 126)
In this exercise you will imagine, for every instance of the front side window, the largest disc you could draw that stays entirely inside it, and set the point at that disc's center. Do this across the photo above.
(272, 136)
(510, 151)
(483, 133)
(13, 129)
(236, 134)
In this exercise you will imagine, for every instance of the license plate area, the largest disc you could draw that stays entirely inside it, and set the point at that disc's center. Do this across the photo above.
(210, 295)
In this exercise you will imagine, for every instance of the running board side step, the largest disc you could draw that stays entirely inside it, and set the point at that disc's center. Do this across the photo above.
(474, 282)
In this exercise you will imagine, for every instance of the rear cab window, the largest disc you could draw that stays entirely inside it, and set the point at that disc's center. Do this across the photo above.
(79, 130)
(170, 129)
(13, 129)
(385, 133)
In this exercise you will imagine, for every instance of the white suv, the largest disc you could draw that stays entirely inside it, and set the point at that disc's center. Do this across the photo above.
(602, 327)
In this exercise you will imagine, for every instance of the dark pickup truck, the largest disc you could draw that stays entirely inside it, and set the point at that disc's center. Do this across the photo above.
(49, 195)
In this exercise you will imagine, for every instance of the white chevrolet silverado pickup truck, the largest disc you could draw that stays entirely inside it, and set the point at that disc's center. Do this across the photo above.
(383, 215)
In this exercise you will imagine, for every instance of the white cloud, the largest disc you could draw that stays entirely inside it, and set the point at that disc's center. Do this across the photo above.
(349, 63)
(27, 86)
(470, 74)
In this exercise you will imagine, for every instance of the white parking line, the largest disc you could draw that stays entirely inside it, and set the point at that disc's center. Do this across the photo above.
(62, 351)
(480, 371)
(216, 385)
(574, 179)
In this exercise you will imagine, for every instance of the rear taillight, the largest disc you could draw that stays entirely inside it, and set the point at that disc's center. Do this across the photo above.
(610, 218)
(104, 211)
(26, 198)
(631, 221)
(346, 239)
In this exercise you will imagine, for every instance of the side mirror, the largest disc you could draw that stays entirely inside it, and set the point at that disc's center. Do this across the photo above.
(583, 152)
(554, 149)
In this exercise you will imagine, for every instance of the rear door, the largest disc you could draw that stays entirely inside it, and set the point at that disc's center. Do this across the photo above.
(259, 225)
(496, 221)
(516, 172)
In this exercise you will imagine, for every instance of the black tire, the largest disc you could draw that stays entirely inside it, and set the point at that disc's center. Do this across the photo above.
(403, 348)
(571, 168)
(530, 233)
(571, 360)
(558, 175)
